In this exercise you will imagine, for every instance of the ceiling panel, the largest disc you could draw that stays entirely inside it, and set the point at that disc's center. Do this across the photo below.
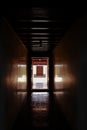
(41, 29)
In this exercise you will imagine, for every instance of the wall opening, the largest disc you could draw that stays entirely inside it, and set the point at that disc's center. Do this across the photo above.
(40, 75)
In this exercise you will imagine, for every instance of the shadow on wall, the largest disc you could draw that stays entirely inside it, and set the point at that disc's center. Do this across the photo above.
(66, 69)
(14, 55)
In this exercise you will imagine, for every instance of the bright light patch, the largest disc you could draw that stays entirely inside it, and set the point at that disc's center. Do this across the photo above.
(21, 65)
(58, 79)
(40, 74)
(22, 78)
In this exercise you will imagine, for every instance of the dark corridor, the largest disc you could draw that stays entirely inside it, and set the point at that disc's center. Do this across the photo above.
(53, 33)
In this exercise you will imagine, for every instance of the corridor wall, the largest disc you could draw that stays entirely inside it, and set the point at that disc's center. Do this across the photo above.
(66, 71)
(13, 54)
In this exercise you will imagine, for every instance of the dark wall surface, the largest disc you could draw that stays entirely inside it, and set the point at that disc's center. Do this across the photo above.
(67, 53)
(12, 54)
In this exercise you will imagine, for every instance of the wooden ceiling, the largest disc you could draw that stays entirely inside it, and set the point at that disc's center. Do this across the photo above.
(41, 29)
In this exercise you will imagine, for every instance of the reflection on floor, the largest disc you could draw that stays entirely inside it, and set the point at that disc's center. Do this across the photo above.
(42, 110)
(40, 103)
